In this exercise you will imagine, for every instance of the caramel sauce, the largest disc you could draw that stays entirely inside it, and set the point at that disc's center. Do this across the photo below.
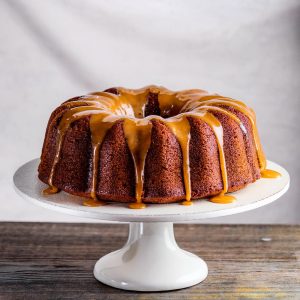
(269, 174)
(99, 125)
(137, 205)
(181, 129)
(93, 203)
(240, 106)
(104, 109)
(217, 128)
(50, 190)
(221, 198)
(187, 203)
(138, 135)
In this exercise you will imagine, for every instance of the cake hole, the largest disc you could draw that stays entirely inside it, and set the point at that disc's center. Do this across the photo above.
(146, 103)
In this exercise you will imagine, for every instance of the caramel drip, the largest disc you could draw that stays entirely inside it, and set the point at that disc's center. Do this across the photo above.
(138, 136)
(222, 199)
(137, 205)
(95, 105)
(187, 203)
(93, 203)
(270, 174)
(99, 125)
(251, 116)
(217, 128)
(227, 113)
(104, 109)
(181, 129)
(68, 117)
(50, 190)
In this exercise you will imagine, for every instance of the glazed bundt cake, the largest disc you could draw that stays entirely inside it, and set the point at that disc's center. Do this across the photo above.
(151, 145)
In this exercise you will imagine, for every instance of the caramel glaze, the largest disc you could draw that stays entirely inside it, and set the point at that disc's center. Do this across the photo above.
(104, 109)
(221, 198)
(50, 190)
(269, 174)
(93, 202)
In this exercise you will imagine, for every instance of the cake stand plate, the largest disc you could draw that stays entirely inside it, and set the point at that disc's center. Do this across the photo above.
(151, 260)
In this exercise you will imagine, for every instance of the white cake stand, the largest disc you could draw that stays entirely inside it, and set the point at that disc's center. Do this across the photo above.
(151, 260)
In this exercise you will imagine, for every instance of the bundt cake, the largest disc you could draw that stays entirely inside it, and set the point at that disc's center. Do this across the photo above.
(151, 145)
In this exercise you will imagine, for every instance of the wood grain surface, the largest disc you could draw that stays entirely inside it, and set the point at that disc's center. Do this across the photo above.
(55, 261)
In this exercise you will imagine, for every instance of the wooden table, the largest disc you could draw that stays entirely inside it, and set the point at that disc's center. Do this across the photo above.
(55, 261)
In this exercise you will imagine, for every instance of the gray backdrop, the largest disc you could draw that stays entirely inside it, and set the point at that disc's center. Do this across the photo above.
(53, 50)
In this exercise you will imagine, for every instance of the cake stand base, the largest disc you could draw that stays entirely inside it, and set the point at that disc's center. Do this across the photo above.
(150, 261)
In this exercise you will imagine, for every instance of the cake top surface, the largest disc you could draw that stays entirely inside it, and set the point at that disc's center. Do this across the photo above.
(131, 103)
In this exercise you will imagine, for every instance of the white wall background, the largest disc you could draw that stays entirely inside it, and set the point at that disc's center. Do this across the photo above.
(53, 50)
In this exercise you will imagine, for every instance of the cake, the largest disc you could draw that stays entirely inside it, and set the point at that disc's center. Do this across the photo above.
(151, 145)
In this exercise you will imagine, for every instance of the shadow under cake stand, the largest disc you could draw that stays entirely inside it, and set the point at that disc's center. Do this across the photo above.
(151, 259)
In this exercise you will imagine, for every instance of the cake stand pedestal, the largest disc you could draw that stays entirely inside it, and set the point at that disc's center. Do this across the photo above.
(151, 259)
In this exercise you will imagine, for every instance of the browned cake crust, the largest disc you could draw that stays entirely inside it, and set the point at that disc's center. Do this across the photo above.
(163, 173)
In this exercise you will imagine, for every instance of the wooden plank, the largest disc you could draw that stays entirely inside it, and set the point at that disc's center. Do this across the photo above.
(55, 261)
